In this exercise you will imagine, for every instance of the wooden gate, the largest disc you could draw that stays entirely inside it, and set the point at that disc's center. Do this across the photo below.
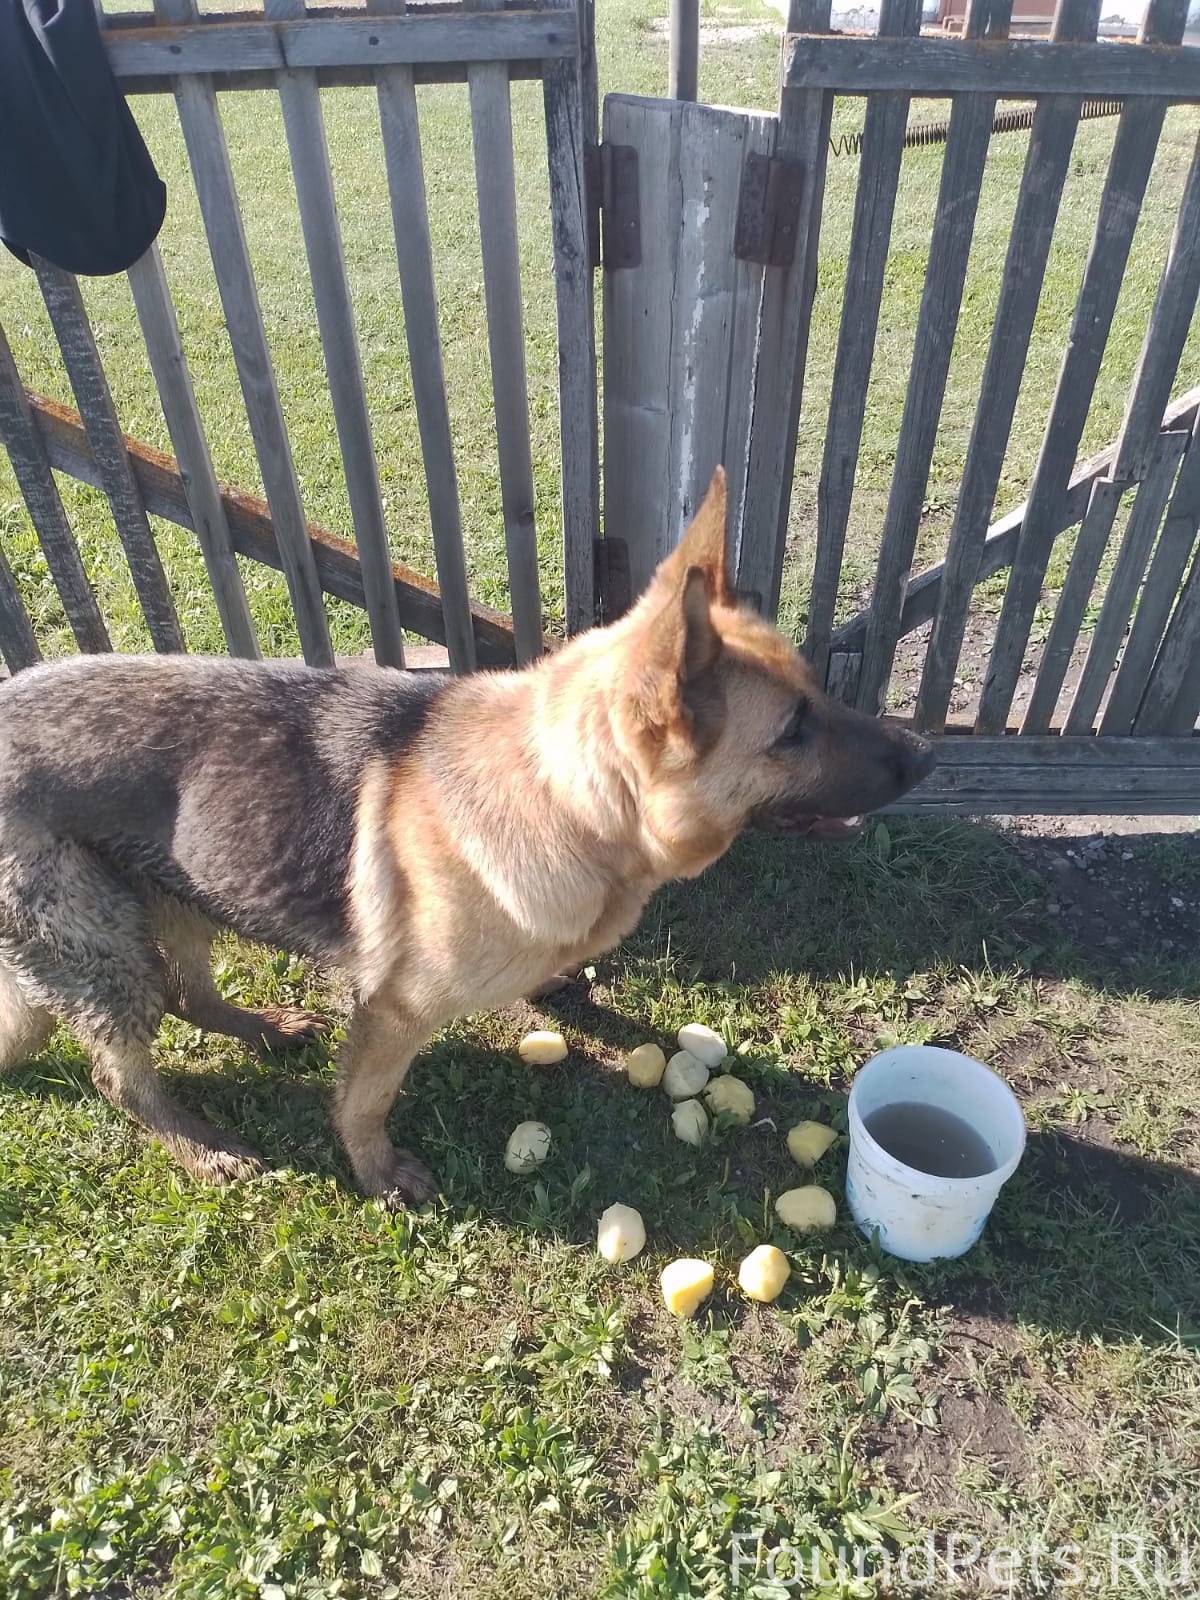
(294, 52)
(706, 337)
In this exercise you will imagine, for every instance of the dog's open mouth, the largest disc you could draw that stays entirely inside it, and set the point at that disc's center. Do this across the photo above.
(809, 826)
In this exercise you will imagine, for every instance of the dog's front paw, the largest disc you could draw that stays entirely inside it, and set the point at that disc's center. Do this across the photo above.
(288, 1028)
(228, 1162)
(405, 1182)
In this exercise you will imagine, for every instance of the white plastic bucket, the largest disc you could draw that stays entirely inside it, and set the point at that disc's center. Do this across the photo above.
(918, 1216)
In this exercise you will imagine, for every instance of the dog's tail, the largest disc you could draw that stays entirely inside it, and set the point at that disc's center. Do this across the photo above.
(24, 1027)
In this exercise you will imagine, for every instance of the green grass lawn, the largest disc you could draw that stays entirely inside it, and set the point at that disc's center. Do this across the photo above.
(740, 67)
(280, 1390)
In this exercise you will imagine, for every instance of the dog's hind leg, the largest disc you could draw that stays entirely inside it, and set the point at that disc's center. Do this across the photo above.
(24, 1027)
(373, 1063)
(185, 938)
(79, 940)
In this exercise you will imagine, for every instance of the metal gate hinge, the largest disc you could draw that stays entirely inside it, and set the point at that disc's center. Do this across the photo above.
(768, 210)
(614, 588)
(611, 172)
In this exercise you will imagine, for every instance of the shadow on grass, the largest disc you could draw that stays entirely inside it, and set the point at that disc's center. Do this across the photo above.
(1086, 1238)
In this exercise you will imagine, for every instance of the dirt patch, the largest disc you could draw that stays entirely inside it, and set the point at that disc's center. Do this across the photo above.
(1123, 895)
(975, 1431)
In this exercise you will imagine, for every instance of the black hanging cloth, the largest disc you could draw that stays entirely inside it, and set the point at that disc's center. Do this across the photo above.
(77, 184)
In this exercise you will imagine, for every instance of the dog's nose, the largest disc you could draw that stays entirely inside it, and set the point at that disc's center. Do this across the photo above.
(914, 757)
(921, 755)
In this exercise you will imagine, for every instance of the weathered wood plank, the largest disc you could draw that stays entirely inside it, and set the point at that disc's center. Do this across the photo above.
(304, 128)
(60, 290)
(680, 328)
(20, 437)
(18, 645)
(639, 308)
(977, 775)
(156, 313)
(921, 595)
(495, 180)
(1166, 332)
(1067, 753)
(414, 257)
(1159, 594)
(783, 327)
(568, 129)
(254, 534)
(1144, 521)
(208, 156)
(257, 43)
(1050, 142)
(1171, 703)
(332, 78)
(1063, 633)
(884, 124)
(1013, 69)
(967, 143)
(1129, 168)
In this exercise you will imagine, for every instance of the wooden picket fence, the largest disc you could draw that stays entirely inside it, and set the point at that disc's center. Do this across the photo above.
(707, 224)
(706, 336)
(294, 52)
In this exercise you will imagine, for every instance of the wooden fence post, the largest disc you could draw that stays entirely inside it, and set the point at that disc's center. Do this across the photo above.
(782, 353)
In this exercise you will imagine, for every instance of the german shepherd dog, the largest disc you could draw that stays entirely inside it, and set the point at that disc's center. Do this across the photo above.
(449, 843)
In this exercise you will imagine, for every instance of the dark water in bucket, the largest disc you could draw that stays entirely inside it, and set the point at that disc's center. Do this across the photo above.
(930, 1139)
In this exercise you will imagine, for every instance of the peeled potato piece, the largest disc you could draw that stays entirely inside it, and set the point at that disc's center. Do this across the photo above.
(690, 1122)
(542, 1048)
(644, 1067)
(706, 1044)
(528, 1146)
(763, 1273)
(686, 1285)
(731, 1096)
(808, 1141)
(685, 1076)
(620, 1234)
(807, 1209)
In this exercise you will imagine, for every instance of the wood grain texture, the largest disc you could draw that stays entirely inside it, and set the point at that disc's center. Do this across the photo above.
(1130, 164)
(967, 141)
(1119, 597)
(1069, 612)
(495, 181)
(17, 643)
(414, 257)
(680, 329)
(1166, 332)
(208, 156)
(921, 594)
(1171, 703)
(263, 44)
(304, 128)
(782, 341)
(254, 533)
(977, 775)
(31, 467)
(60, 290)
(1159, 595)
(884, 122)
(172, 378)
(1014, 69)
(1051, 138)
(570, 124)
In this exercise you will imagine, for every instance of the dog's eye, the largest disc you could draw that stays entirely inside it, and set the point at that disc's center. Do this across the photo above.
(794, 732)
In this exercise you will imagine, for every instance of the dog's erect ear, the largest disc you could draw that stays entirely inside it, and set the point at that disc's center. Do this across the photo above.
(681, 645)
(703, 545)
